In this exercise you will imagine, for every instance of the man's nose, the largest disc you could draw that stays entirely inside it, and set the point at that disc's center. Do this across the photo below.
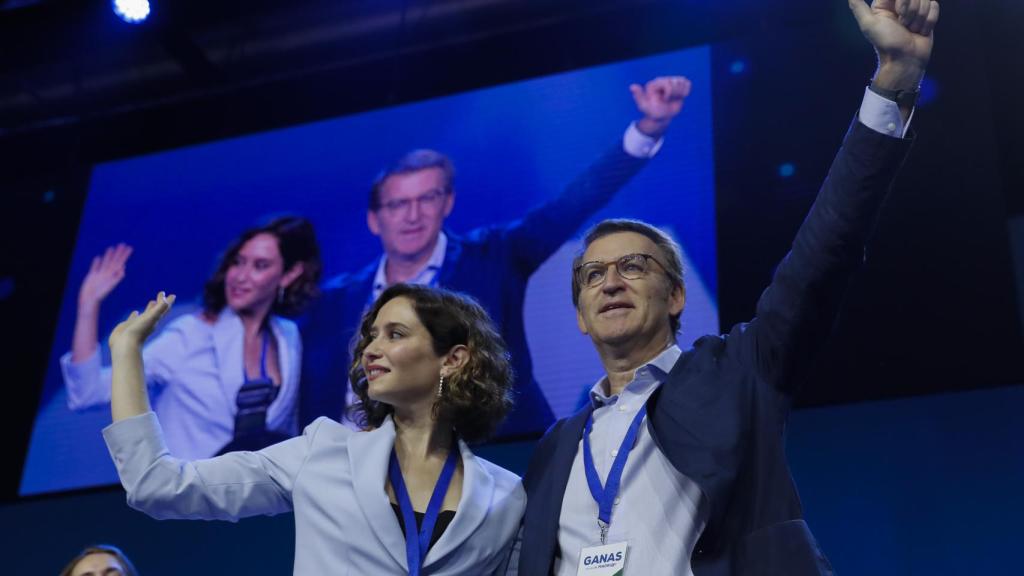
(413, 213)
(613, 282)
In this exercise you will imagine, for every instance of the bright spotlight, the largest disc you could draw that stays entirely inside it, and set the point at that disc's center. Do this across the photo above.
(131, 11)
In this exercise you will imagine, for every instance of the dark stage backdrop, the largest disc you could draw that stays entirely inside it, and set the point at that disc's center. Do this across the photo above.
(915, 485)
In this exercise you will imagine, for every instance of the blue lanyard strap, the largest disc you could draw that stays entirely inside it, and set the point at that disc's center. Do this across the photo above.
(605, 496)
(416, 545)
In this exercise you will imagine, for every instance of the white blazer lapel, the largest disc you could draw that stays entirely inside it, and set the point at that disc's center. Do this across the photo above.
(289, 350)
(369, 453)
(227, 344)
(474, 505)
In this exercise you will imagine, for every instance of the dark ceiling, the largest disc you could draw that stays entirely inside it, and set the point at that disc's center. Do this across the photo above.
(65, 61)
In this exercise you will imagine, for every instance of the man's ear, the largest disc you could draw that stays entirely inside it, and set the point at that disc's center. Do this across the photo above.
(449, 202)
(579, 321)
(676, 300)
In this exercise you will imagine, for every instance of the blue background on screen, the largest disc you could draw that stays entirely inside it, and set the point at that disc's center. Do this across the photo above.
(513, 146)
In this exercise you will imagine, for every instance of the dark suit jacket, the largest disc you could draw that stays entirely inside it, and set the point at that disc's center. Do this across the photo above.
(493, 264)
(720, 416)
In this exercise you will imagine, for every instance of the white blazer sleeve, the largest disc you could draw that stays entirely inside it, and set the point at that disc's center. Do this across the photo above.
(228, 487)
(88, 382)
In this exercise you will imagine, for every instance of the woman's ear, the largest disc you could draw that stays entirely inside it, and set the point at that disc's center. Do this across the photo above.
(455, 359)
(292, 274)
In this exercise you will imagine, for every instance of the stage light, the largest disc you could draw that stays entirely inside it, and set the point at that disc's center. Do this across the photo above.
(6, 287)
(786, 170)
(738, 67)
(929, 91)
(131, 11)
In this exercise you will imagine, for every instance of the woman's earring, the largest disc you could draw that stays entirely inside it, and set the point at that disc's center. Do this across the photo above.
(440, 386)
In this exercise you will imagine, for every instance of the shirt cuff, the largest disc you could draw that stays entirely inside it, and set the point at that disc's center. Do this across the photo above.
(640, 145)
(76, 370)
(883, 115)
(134, 443)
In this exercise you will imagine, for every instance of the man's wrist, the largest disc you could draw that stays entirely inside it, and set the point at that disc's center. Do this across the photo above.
(905, 99)
(651, 127)
(898, 76)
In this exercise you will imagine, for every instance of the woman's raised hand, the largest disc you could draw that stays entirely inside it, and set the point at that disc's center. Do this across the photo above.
(105, 273)
(137, 327)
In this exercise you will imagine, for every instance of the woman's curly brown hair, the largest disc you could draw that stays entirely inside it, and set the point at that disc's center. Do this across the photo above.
(476, 397)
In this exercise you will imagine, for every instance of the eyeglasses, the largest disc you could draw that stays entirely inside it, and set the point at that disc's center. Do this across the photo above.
(429, 201)
(631, 267)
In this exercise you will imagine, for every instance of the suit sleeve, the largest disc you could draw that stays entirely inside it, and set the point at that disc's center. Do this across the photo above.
(797, 310)
(229, 487)
(533, 238)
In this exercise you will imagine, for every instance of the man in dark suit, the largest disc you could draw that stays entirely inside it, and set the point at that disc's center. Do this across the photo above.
(678, 465)
(408, 206)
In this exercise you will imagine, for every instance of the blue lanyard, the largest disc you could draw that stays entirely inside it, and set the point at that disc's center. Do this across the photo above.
(416, 545)
(263, 359)
(605, 496)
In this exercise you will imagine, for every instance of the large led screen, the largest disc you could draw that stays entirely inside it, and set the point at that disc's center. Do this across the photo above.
(514, 147)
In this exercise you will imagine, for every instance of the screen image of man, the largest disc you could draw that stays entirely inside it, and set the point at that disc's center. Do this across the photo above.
(409, 203)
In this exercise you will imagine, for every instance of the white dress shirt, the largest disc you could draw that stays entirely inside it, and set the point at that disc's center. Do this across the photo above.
(659, 511)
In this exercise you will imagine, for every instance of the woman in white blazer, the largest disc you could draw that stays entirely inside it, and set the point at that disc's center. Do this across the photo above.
(431, 373)
(224, 377)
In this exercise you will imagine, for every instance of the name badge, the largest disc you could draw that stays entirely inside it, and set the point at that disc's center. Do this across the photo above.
(606, 560)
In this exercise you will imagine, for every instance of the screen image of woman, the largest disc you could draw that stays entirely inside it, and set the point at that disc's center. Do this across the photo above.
(225, 377)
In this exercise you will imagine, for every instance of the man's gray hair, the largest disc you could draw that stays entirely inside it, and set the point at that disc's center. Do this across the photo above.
(413, 161)
(670, 257)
